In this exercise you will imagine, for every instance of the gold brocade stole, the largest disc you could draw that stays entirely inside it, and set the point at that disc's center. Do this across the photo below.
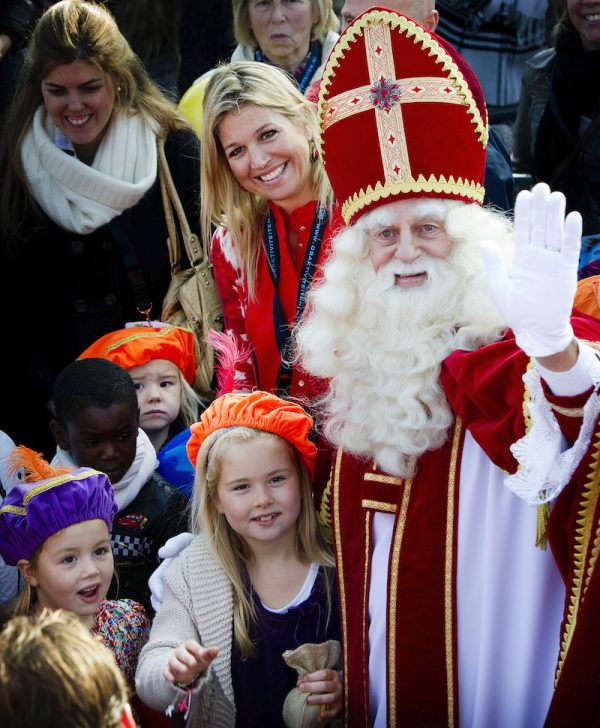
(421, 598)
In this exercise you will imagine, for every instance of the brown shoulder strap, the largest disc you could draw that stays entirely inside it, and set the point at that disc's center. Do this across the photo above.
(172, 204)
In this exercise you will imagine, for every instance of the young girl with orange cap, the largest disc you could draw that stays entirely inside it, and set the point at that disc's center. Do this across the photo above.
(161, 360)
(54, 526)
(259, 570)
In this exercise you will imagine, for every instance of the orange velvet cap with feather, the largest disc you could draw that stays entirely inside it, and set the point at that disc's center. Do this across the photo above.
(137, 345)
(261, 411)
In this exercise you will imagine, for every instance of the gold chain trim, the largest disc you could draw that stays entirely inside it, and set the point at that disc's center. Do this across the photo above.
(324, 516)
(583, 537)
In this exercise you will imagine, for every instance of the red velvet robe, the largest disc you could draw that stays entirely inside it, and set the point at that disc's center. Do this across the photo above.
(486, 391)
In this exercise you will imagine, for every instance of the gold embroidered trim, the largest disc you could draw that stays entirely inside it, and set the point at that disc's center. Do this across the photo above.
(567, 411)
(365, 607)
(362, 198)
(14, 509)
(340, 571)
(390, 124)
(583, 537)
(419, 36)
(377, 478)
(379, 506)
(393, 571)
(449, 571)
(55, 482)
(149, 335)
(412, 90)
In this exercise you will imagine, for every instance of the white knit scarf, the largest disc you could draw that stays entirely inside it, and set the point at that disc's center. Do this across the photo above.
(135, 478)
(82, 198)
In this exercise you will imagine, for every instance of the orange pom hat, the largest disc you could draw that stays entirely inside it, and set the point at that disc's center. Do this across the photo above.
(401, 115)
(262, 411)
(138, 345)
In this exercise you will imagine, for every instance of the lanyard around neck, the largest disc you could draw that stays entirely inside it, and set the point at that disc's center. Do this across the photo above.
(283, 335)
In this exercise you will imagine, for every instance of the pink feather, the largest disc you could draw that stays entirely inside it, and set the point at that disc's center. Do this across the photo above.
(230, 354)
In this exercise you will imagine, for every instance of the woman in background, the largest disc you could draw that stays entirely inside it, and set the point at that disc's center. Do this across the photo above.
(294, 35)
(81, 217)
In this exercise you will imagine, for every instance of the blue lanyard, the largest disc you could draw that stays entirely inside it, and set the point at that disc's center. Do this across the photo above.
(316, 50)
(283, 335)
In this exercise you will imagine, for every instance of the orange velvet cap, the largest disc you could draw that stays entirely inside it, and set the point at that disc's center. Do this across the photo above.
(586, 296)
(138, 345)
(262, 411)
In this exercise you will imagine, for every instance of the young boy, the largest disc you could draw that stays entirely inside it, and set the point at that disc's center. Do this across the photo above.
(96, 426)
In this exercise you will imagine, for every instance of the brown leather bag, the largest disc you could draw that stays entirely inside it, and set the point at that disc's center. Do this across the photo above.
(192, 301)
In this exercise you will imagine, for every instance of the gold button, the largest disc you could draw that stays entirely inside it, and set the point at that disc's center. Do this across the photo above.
(303, 227)
(301, 382)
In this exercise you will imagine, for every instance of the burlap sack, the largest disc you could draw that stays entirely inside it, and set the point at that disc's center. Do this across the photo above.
(297, 713)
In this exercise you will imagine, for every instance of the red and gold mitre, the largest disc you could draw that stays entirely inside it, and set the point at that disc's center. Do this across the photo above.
(401, 114)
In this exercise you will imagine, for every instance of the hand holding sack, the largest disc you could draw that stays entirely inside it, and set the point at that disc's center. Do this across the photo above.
(307, 658)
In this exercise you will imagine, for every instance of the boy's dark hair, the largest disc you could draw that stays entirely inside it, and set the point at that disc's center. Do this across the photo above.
(91, 383)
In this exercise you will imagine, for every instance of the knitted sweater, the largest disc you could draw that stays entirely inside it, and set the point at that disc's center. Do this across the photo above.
(198, 605)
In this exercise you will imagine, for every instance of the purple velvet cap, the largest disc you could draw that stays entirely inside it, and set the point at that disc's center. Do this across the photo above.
(32, 512)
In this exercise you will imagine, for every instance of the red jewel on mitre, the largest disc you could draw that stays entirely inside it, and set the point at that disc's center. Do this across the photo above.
(401, 115)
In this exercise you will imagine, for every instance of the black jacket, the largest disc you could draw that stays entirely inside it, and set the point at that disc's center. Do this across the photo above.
(63, 291)
(158, 512)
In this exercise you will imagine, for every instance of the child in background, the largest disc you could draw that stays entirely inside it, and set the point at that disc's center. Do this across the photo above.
(161, 360)
(259, 569)
(96, 426)
(55, 528)
(54, 674)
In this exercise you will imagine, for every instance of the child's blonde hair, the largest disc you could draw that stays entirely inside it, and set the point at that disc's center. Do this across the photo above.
(230, 549)
(190, 402)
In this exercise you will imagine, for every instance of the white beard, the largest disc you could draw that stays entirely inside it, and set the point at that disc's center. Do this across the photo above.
(382, 348)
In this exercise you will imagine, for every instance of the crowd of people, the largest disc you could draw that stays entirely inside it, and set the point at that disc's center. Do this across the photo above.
(384, 509)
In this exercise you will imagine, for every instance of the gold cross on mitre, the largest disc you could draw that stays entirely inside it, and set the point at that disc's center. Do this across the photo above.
(386, 94)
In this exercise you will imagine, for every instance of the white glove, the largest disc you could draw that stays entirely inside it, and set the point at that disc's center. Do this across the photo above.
(534, 290)
(168, 552)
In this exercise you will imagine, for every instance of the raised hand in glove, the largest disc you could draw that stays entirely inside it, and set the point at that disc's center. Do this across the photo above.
(534, 286)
